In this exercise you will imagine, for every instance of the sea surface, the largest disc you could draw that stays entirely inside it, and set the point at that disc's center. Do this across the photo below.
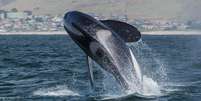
(53, 68)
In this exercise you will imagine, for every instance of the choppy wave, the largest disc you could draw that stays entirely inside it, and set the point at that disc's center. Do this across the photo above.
(56, 91)
(53, 67)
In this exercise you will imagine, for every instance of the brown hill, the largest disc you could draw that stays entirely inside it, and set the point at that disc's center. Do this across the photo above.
(180, 9)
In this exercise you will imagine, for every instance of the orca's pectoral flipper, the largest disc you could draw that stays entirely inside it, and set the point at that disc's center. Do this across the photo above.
(90, 71)
(127, 32)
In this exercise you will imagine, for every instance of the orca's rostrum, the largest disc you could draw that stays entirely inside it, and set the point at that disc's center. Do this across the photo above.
(105, 43)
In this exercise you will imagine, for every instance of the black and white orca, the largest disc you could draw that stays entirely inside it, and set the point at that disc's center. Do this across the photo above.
(104, 41)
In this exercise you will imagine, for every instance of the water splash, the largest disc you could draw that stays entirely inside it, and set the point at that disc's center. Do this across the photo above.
(150, 87)
(55, 91)
(153, 71)
(136, 66)
(149, 62)
(138, 75)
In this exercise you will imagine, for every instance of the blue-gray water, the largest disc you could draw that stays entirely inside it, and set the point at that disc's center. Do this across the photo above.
(52, 67)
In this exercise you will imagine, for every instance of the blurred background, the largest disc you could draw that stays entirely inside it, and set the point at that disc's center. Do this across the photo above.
(46, 15)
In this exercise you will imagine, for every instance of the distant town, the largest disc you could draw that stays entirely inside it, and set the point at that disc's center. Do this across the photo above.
(18, 21)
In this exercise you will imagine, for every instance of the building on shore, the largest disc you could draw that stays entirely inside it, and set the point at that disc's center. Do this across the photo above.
(2, 14)
(17, 15)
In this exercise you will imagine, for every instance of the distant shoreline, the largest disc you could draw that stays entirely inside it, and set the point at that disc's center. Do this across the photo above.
(188, 32)
(35, 33)
(192, 32)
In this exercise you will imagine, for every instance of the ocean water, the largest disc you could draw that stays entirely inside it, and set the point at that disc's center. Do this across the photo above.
(53, 68)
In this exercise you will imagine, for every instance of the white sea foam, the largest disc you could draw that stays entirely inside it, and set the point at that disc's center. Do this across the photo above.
(55, 91)
(150, 87)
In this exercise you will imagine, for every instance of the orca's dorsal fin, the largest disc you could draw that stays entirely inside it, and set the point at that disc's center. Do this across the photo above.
(126, 31)
(90, 70)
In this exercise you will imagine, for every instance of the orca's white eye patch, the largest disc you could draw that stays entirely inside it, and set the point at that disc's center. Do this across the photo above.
(103, 34)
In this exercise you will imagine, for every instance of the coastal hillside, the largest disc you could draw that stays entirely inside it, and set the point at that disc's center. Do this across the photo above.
(5, 2)
(167, 9)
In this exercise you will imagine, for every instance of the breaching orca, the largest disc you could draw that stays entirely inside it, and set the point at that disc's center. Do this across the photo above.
(104, 42)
